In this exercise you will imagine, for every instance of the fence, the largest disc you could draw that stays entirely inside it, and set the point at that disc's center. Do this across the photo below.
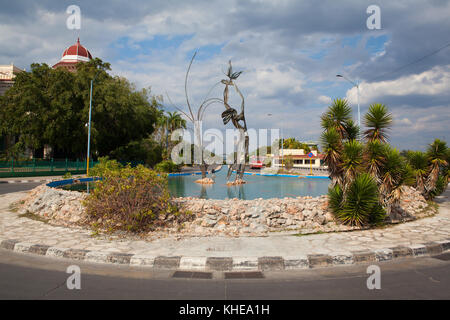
(38, 167)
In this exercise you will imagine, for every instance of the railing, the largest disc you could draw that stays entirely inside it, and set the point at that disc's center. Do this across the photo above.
(39, 167)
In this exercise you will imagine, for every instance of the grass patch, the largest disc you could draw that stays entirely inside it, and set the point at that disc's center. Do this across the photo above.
(310, 233)
(14, 207)
(33, 216)
(430, 210)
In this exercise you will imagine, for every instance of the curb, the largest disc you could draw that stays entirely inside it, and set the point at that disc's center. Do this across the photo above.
(231, 263)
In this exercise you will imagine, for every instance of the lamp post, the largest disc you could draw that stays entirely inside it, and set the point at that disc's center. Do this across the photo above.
(89, 127)
(355, 84)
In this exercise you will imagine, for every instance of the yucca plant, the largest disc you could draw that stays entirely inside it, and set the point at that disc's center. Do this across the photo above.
(332, 149)
(419, 164)
(335, 199)
(361, 204)
(374, 159)
(352, 130)
(352, 157)
(441, 185)
(337, 116)
(393, 175)
(378, 121)
(437, 156)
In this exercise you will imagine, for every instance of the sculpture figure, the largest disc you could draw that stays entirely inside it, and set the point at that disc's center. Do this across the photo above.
(240, 157)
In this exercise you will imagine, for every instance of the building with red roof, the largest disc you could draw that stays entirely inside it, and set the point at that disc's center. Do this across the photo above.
(73, 55)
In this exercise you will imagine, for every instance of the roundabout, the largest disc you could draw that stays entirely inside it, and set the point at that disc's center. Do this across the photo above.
(283, 250)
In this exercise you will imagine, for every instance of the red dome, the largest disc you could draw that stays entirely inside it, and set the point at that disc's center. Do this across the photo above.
(76, 52)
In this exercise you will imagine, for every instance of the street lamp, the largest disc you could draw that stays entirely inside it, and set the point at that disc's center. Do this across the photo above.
(356, 84)
(89, 127)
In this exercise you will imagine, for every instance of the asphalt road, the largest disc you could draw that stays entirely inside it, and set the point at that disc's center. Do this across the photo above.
(25, 276)
(16, 187)
(33, 277)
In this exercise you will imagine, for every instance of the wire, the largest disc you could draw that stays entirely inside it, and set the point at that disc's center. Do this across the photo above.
(411, 63)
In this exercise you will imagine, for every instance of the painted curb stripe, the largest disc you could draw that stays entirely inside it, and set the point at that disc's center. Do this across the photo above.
(231, 263)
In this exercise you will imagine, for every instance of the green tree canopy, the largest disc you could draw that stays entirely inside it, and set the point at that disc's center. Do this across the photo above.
(51, 106)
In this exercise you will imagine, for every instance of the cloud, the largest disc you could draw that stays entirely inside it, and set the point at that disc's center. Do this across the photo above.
(290, 52)
(324, 99)
(430, 83)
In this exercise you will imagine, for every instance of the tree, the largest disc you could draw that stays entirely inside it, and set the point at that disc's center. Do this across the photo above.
(374, 159)
(338, 127)
(357, 166)
(292, 143)
(49, 106)
(332, 149)
(352, 157)
(175, 121)
(338, 116)
(419, 163)
(437, 154)
(378, 121)
(394, 173)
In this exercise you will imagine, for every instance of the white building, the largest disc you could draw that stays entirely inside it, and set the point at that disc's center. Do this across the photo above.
(299, 158)
(7, 75)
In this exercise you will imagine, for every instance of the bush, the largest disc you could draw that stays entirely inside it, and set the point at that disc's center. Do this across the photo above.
(167, 166)
(67, 175)
(361, 205)
(335, 199)
(104, 166)
(288, 163)
(441, 185)
(145, 150)
(132, 199)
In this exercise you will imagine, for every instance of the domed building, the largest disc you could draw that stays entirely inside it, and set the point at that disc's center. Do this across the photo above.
(73, 55)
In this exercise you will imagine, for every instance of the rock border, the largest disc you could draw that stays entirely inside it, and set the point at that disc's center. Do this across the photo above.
(279, 263)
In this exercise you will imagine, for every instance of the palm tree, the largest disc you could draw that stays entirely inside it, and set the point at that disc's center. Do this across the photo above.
(378, 121)
(419, 163)
(175, 121)
(437, 156)
(160, 127)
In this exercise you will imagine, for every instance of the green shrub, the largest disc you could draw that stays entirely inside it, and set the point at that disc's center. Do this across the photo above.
(288, 163)
(335, 199)
(441, 185)
(167, 166)
(361, 205)
(132, 199)
(67, 175)
(145, 150)
(104, 166)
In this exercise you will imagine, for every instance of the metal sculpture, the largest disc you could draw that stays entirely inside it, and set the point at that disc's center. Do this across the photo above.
(196, 117)
(240, 157)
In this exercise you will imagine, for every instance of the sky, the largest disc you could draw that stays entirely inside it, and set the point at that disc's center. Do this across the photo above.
(289, 52)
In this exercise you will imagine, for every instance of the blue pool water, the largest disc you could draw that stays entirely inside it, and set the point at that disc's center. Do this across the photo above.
(256, 187)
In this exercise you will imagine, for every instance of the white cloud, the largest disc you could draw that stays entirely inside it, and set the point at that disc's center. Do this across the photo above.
(432, 82)
(270, 41)
(324, 99)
